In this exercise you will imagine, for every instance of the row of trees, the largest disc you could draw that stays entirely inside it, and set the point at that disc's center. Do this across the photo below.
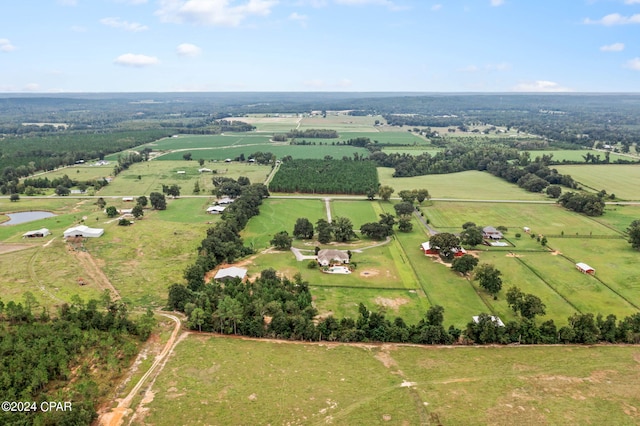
(589, 204)
(326, 176)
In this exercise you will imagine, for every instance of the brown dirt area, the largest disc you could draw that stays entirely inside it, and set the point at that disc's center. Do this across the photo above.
(391, 303)
(369, 273)
(93, 273)
(8, 248)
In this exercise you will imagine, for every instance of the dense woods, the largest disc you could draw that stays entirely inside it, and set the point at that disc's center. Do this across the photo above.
(70, 358)
(326, 176)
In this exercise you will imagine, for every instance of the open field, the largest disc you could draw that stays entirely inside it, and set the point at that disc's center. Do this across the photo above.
(619, 216)
(279, 150)
(256, 382)
(415, 150)
(360, 212)
(471, 185)
(575, 155)
(147, 177)
(280, 215)
(80, 172)
(546, 219)
(622, 180)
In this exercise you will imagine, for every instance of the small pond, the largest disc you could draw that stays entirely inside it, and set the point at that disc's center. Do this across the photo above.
(23, 217)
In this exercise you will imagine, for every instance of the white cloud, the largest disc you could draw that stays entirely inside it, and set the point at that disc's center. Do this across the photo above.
(6, 46)
(615, 47)
(632, 2)
(388, 3)
(496, 3)
(135, 60)
(132, 1)
(541, 86)
(124, 25)
(615, 19)
(312, 3)
(188, 49)
(436, 7)
(633, 64)
(212, 12)
(302, 19)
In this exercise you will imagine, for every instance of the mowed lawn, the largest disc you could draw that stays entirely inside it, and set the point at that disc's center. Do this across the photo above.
(471, 185)
(546, 219)
(236, 381)
(280, 215)
(359, 212)
(622, 180)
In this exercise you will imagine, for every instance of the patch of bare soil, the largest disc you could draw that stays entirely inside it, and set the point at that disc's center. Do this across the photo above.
(8, 248)
(439, 260)
(369, 273)
(511, 254)
(391, 303)
(555, 253)
(94, 273)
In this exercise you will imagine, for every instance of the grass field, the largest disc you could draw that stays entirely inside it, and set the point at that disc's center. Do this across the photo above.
(147, 177)
(471, 185)
(280, 150)
(622, 180)
(546, 219)
(574, 155)
(232, 381)
(360, 212)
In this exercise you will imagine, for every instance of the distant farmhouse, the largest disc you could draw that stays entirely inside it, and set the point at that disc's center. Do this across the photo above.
(83, 231)
(491, 233)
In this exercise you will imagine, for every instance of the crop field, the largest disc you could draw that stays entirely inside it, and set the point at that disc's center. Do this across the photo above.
(623, 180)
(470, 185)
(546, 219)
(417, 150)
(80, 172)
(619, 216)
(264, 382)
(149, 176)
(195, 142)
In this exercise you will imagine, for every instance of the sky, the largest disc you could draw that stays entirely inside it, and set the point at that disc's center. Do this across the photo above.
(51, 46)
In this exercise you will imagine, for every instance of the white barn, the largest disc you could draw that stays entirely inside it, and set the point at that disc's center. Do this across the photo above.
(83, 231)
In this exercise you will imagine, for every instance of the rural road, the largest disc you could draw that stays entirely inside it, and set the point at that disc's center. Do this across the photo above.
(115, 417)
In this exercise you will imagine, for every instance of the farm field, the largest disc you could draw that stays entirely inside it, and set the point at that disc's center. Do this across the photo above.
(80, 172)
(622, 180)
(360, 212)
(417, 150)
(279, 150)
(619, 216)
(470, 185)
(574, 155)
(271, 382)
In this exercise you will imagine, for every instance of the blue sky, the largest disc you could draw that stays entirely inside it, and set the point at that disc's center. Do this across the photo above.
(320, 45)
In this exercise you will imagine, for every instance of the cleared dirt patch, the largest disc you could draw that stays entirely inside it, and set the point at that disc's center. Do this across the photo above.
(391, 303)
(369, 273)
(8, 248)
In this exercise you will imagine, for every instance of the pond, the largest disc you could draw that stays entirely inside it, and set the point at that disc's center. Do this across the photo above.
(23, 217)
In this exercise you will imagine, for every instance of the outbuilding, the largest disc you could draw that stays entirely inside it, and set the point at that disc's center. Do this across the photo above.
(215, 209)
(230, 273)
(585, 269)
(39, 233)
(83, 231)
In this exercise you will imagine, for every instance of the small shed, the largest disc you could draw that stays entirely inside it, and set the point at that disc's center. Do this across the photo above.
(585, 269)
(231, 272)
(427, 249)
(39, 233)
(215, 209)
(127, 199)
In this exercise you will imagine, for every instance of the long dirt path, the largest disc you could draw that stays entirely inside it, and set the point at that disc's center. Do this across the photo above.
(116, 416)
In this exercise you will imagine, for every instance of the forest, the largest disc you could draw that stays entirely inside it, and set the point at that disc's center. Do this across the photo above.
(71, 357)
(344, 176)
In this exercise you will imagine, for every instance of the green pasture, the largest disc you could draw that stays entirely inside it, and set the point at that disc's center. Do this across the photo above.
(263, 382)
(147, 177)
(574, 155)
(231, 381)
(615, 262)
(622, 180)
(343, 302)
(280, 215)
(360, 212)
(515, 273)
(184, 143)
(470, 185)
(282, 150)
(619, 216)
(546, 219)
(82, 173)
(584, 292)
